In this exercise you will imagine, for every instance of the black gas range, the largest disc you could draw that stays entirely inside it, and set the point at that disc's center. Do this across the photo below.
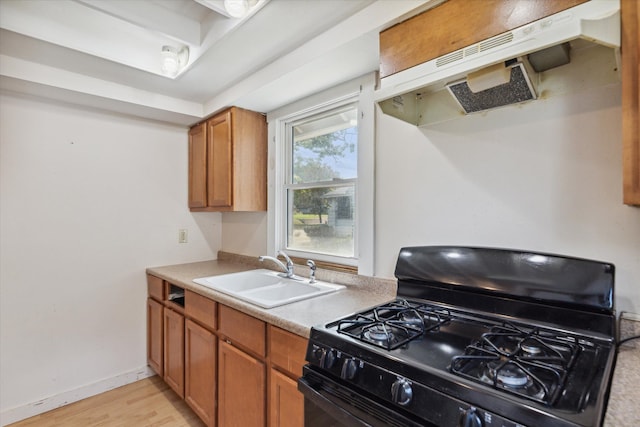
(476, 337)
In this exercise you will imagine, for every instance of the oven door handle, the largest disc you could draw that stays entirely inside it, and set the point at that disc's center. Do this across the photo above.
(328, 406)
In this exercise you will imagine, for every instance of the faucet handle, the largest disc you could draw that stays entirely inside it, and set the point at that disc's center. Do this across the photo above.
(312, 272)
(285, 256)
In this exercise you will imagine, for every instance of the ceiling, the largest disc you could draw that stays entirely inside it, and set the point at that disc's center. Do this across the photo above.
(106, 53)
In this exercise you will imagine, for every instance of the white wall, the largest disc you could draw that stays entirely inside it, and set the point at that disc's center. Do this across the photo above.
(545, 176)
(245, 233)
(87, 202)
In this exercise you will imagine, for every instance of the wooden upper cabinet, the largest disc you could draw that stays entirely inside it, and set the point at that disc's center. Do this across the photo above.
(198, 166)
(456, 24)
(630, 54)
(228, 162)
(220, 158)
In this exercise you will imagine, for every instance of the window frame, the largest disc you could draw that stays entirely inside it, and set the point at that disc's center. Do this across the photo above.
(289, 185)
(360, 93)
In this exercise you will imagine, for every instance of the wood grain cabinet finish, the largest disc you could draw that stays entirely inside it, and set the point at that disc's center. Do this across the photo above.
(174, 350)
(286, 403)
(455, 24)
(286, 354)
(630, 54)
(201, 309)
(155, 336)
(155, 324)
(198, 166)
(287, 351)
(220, 157)
(200, 371)
(228, 162)
(243, 330)
(231, 368)
(241, 388)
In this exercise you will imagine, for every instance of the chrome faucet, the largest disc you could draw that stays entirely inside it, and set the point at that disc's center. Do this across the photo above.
(312, 271)
(287, 269)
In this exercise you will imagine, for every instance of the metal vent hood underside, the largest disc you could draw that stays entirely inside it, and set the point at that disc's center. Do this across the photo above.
(441, 89)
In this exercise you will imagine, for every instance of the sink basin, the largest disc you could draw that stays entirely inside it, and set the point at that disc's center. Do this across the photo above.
(265, 288)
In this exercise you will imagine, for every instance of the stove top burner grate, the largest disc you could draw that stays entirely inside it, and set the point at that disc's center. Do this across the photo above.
(392, 325)
(533, 364)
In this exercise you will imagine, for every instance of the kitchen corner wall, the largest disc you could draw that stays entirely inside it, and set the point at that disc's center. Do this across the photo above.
(245, 233)
(544, 176)
(87, 201)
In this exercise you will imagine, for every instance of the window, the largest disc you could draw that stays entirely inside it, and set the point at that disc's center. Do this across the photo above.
(321, 180)
(321, 176)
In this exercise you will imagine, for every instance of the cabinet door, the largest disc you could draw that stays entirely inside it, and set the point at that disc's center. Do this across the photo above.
(198, 166)
(200, 371)
(154, 336)
(286, 403)
(241, 388)
(174, 350)
(631, 101)
(219, 161)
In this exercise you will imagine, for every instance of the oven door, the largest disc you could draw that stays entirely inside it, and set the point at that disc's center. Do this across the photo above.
(328, 403)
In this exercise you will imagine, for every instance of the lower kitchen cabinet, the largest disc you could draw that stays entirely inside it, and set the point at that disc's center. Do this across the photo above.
(231, 368)
(155, 336)
(200, 371)
(174, 350)
(286, 354)
(286, 403)
(241, 388)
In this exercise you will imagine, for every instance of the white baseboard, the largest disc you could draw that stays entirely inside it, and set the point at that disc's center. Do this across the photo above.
(630, 316)
(35, 408)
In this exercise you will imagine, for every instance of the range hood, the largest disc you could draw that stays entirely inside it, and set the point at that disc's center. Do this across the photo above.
(565, 52)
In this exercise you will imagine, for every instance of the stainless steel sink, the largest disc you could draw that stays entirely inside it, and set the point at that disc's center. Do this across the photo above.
(265, 288)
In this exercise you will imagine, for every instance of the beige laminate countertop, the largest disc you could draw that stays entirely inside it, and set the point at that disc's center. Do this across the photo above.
(297, 317)
(624, 399)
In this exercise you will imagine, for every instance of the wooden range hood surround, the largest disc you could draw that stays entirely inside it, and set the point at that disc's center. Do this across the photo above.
(467, 22)
(408, 49)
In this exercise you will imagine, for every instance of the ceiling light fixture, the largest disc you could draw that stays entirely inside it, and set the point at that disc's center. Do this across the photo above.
(236, 8)
(173, 60)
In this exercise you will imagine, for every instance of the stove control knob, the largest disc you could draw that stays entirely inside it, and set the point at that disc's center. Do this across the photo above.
(401, 392)
(470, 418)
(328, 359)
(349, 369)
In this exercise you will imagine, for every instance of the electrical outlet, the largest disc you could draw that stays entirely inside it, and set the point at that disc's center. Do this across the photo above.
(182, 235)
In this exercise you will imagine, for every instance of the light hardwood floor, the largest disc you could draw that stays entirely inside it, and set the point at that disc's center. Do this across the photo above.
(148, 402)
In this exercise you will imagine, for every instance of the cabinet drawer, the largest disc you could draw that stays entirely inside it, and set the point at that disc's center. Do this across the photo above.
(155, 288)
(244, 330)
(201, 309)
(287, 350)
